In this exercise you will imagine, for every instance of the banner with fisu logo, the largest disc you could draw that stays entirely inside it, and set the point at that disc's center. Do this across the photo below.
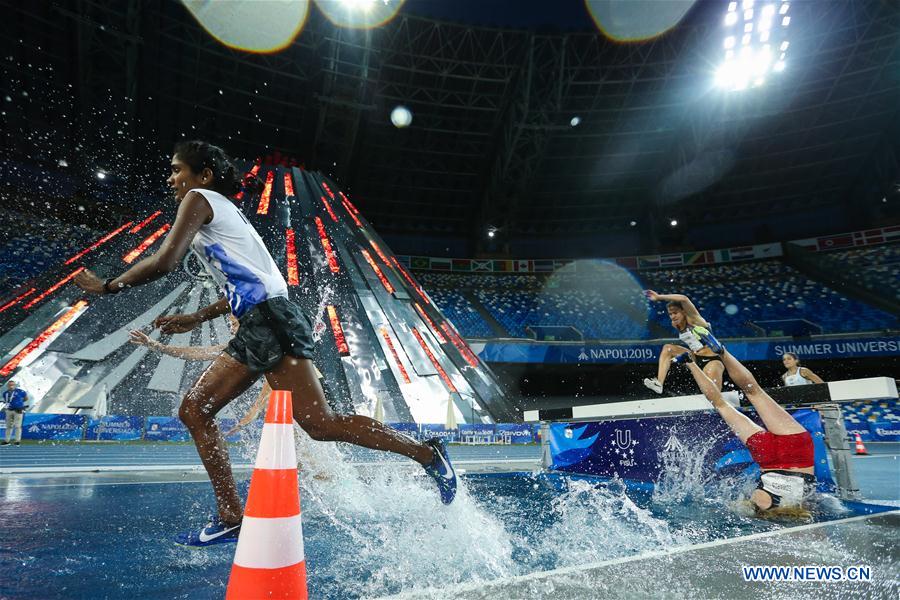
(642, 449)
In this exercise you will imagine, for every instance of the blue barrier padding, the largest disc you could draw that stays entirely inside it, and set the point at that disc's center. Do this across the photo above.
(634, 449)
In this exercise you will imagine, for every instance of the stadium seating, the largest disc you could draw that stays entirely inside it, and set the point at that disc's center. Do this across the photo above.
(863, 412)
(607, 304)
(460, 312)
(747, 292)
(35, 244)
(876, 268)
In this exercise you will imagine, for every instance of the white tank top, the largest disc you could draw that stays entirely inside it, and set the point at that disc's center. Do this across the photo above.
(236, 257)
(796, 379)
(693, 342)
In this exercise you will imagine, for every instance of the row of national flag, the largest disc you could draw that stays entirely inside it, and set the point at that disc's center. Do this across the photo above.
(465, 265)
(868, 237)
(656, 261)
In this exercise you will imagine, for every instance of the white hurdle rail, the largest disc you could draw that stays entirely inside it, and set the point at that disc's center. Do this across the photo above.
(849, 390)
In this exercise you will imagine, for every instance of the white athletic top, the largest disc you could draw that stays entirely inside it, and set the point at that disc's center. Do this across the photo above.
(796, 378)
(236, 257)
(693, 342)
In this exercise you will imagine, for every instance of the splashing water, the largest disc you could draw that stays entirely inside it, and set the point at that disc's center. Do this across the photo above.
(684, 476)
(591, 522)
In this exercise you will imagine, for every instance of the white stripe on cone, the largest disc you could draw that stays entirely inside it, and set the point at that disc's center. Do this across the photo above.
(270, 543)
(276, 447)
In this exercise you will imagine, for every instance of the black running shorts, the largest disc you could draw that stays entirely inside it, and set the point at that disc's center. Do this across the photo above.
(269, 331)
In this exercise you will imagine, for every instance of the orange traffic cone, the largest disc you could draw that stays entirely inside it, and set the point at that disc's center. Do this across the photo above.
(269, 560)
(860, 447)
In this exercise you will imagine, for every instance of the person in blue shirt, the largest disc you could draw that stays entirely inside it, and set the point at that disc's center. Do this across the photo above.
(15, 400)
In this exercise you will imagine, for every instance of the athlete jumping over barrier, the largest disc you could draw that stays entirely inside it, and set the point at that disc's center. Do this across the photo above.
(783, 450)
(274, 339)
(694, 331)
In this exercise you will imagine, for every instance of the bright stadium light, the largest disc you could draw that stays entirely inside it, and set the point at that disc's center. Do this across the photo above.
(101, 175)
(750, 61)
(673, 223)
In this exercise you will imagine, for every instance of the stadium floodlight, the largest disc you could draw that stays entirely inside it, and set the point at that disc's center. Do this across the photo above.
(750, 62)
(673, 223)
(784, 8)
(101, 175)
(575, 121)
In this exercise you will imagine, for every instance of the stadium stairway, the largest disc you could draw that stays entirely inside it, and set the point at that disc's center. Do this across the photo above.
(493, 323)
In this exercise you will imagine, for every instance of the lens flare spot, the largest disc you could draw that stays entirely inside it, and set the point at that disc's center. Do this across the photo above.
(359, 14)
(633, 21)
(262, 27)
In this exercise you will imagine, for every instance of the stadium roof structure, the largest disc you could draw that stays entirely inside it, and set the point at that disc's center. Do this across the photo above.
(491, 143)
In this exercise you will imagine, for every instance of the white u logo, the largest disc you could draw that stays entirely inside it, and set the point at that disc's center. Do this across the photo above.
(623, 438)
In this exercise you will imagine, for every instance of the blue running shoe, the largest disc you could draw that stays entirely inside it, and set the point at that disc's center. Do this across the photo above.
(441, 470)
(215, 532)
(708, 339)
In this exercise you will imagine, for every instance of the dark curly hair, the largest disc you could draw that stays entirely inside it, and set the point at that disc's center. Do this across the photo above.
(199, 155)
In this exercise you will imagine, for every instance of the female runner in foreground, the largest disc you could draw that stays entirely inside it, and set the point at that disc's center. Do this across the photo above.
(784, 450)
(693, 330)
(274, 338)
(795, 374)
